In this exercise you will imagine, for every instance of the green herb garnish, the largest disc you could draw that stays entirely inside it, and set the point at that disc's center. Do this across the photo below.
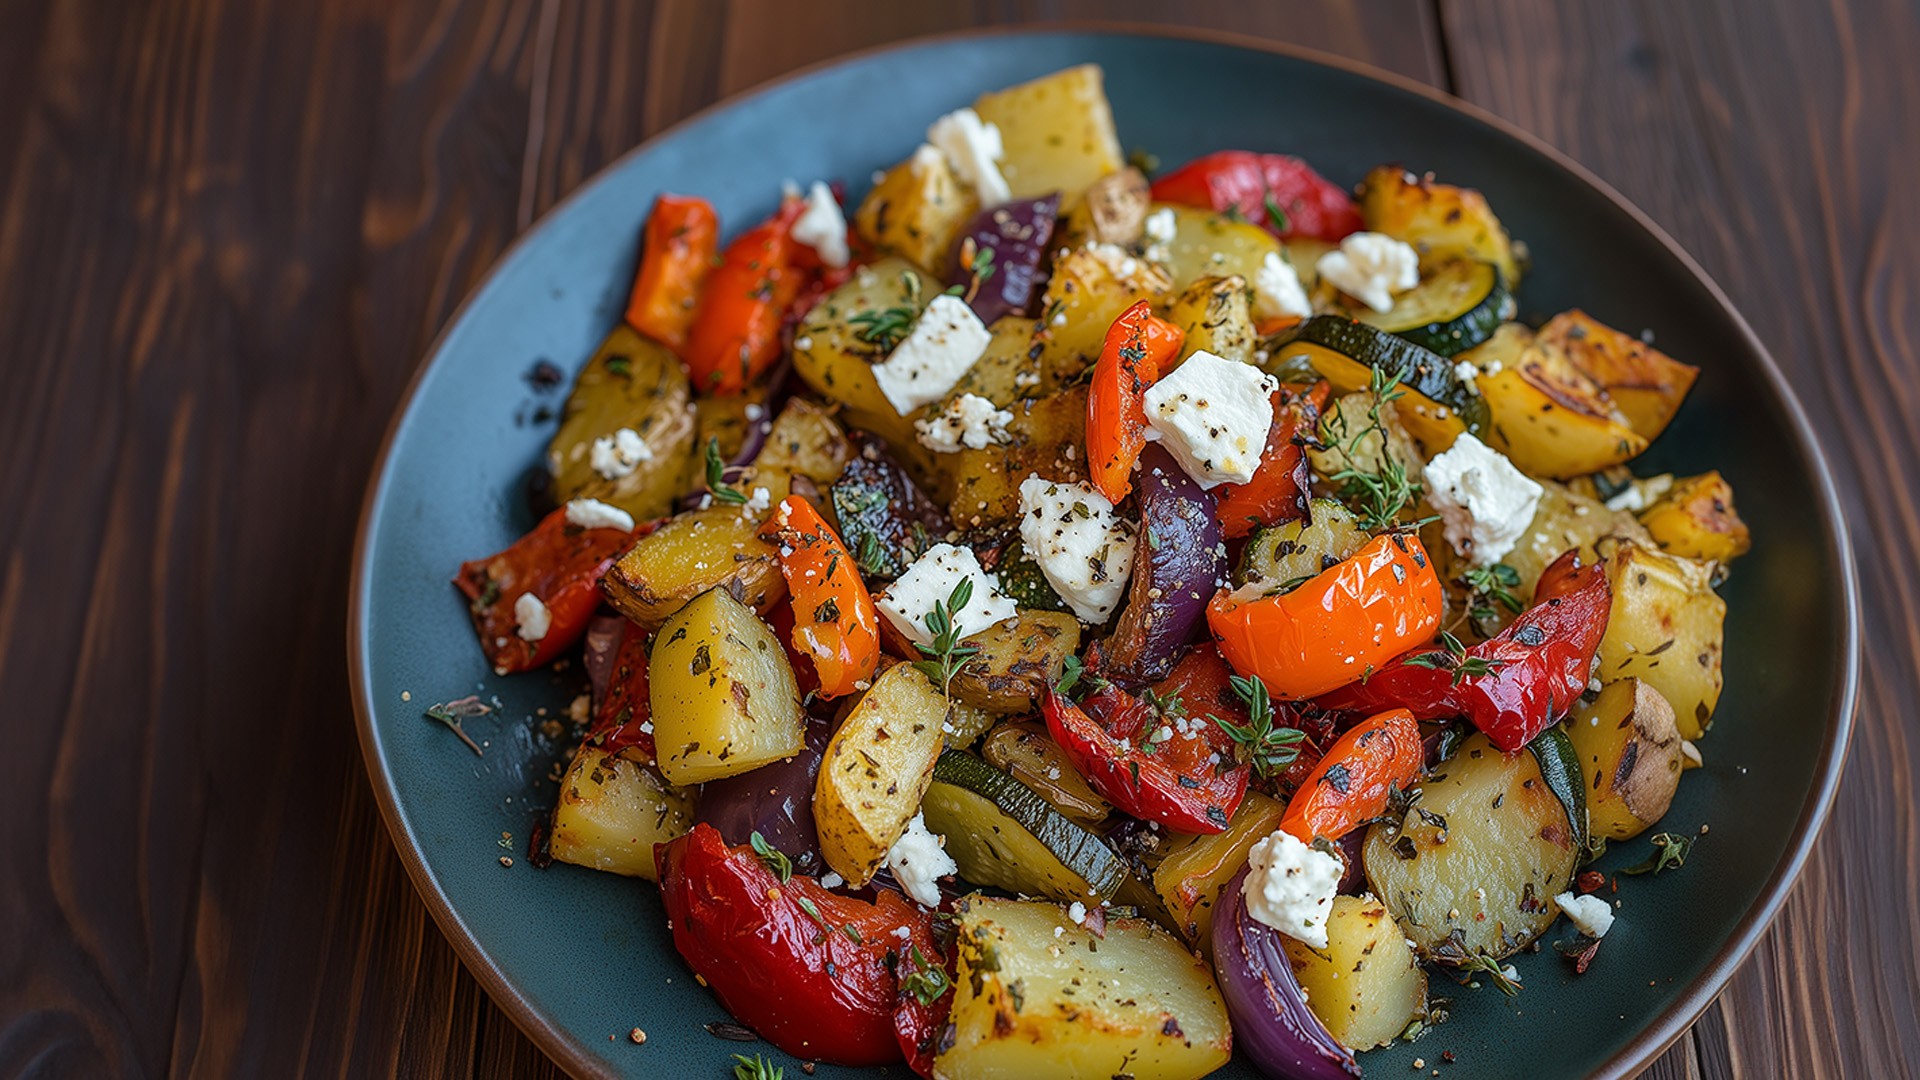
(452, 712)
(776, 862)
(1452, 656)
(717, 476)
(1281, 223)
(946, 655)
(927, 983)
(1488, 966)
(1669, 853)
(1269, 749)
(758, 1068)
(886, 327)
(1377, 497)
(1490, 585)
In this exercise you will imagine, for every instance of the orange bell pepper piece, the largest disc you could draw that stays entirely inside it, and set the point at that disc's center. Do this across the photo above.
(1137, 345)
(834, 622)
(1278, 491)
(1352, 782)
(736, 334)
(1334, 627)
(682, 235)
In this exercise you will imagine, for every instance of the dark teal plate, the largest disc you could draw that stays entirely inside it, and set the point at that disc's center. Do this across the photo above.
(580, 958)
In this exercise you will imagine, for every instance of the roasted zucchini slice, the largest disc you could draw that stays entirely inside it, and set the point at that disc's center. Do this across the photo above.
(1453, 309)
(1000, 833)
(1434, 405)
(1279, 557)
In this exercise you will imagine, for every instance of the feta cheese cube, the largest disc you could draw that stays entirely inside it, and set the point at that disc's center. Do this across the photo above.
(822, 226)
(918, 860)
(1371, 267)
(1277, 291)
(758, 502)
(1464, 371)
(532, 617)
(974, 150)
(615, 456)
(1589, 914)
(594, 514)
(1160, 226)
(1213, 414)
(930, 580)
(1290, 887)
(969, 421)
(1080, 544)
(1486, 503)
(943, 345)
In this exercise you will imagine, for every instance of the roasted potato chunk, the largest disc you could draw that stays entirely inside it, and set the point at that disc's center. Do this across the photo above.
(1564, 520)
(1008, 371)
(611, 811)
(1666, 629)
(1196, 868)
(917, 211)
(721, 691)
(835, 355)
(1048, 437)
(1366, 986)
(690, 554)
(635, 384)
(805, 440)
(1440, 221)
(1056, 133)
(1206, 244)
(877, 767)
(1114, 210)
(1631, 754)
(1646, 385)
(1217, 315)
(1030, 1003)
(1552, 420)
(1696, 519)
(1016, 661)
(1088, 290)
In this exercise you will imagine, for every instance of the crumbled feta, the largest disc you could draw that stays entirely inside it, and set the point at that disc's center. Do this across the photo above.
(969, 421)
(1691, 752)
(918, 860)
(943, 345)
(925, 156)
(1080, 544)
(1589, 914)
(974, 150)
(1485, 501)
(616, 456)
(580, 709)
(532, 616)
(822, 227)
(1160, 227)
(758, 502)
(1123, 266)
(1290, 887)
(831, 880)
(1077, 912)
(1371, 267)
(931, 579)
(1212, 414)
(1277, 291)
(594, 514)
(1464, 371)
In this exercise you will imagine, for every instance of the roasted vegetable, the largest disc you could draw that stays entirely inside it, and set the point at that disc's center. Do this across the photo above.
(1089, 289)
(835, 625)
(855, 327)
(1551, 419)
(1282, 193)
(611, 811)
(1030, 1003)
(999, 256)
(630, 385)
(1666, 630)
(1206, 244)
(805, 440)
(1048, 436)
(1179, 566)
(1008, 371)
(1136, 349)
(1366, 986)
(1177, 776)
(1034, 759)
(735, 337)
(917, 210)
(1455, 307)
(1695, 519)
(1282, 556)
(1440, 221)
(1630, 752)
(1114, 210)
(1279, 489)
(877, 767)
(697, 551)
(1645, 384)
(774, 800)
(1472, 867)
(1215, 315)
(884, 517)
(1001, 833)
(1433, 404)
(555, 566)
(1056, 132)
(723, 696)
(1016, 660)
(682, 238)
(1272, 1023)
(1564, 521)
(1195, 868)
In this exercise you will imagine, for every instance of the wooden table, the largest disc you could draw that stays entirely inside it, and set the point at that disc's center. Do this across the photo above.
(228, 231)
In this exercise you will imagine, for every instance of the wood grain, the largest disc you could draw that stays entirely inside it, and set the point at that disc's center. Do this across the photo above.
(229, 229)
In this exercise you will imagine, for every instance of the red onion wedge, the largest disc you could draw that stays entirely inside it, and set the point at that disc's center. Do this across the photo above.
(1272, 1024)
(1178, 563)
(1009, 247)
(773, 800)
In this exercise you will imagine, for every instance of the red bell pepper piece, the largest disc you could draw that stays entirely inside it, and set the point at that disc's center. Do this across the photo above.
(560, 564)
(1137, 345)
(818, 988)
(1279, 488)
(677, 255)
(921, 1017)
(835, 624)
(1280, 192)
(1351, 783)
(621, 720)
(736, 335)
(1512, 686)
(1189, 782)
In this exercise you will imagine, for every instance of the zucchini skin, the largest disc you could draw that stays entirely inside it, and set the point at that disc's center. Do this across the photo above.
(1560, 768)
(1456, 307)
(1012, 815)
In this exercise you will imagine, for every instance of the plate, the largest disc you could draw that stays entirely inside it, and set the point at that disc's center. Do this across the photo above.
(580, 958)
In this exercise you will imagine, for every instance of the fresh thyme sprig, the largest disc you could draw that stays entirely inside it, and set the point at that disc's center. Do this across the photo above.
(946, 656)
(1488, 966)
(926, 983)
(776, 862)
(885, 327)
(756, 1068)
(453, 712)
(1452, 656)
(979, 266)
(1490, 585)
(1670, 852)
(1269, 749)
(1377, 497)
(717, 477)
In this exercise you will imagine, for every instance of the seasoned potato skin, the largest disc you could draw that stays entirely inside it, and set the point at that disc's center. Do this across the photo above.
(631, 382)
(1057, 132)
(831, 355)
(1017, 660)
(1440, 221)
(1646, 385)
(1696, 519)
(916, 211)
(1367, 985)
(1666, 629)
(691, 553)
(1217, 315)
(877, 767)
(612, 810)
(1553, 420)
(1630, 751)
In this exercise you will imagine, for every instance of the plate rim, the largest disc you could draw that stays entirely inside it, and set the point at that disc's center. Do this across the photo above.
(569, 1051)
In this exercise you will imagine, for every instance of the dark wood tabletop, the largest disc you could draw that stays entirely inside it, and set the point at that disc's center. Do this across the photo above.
(230, 228)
